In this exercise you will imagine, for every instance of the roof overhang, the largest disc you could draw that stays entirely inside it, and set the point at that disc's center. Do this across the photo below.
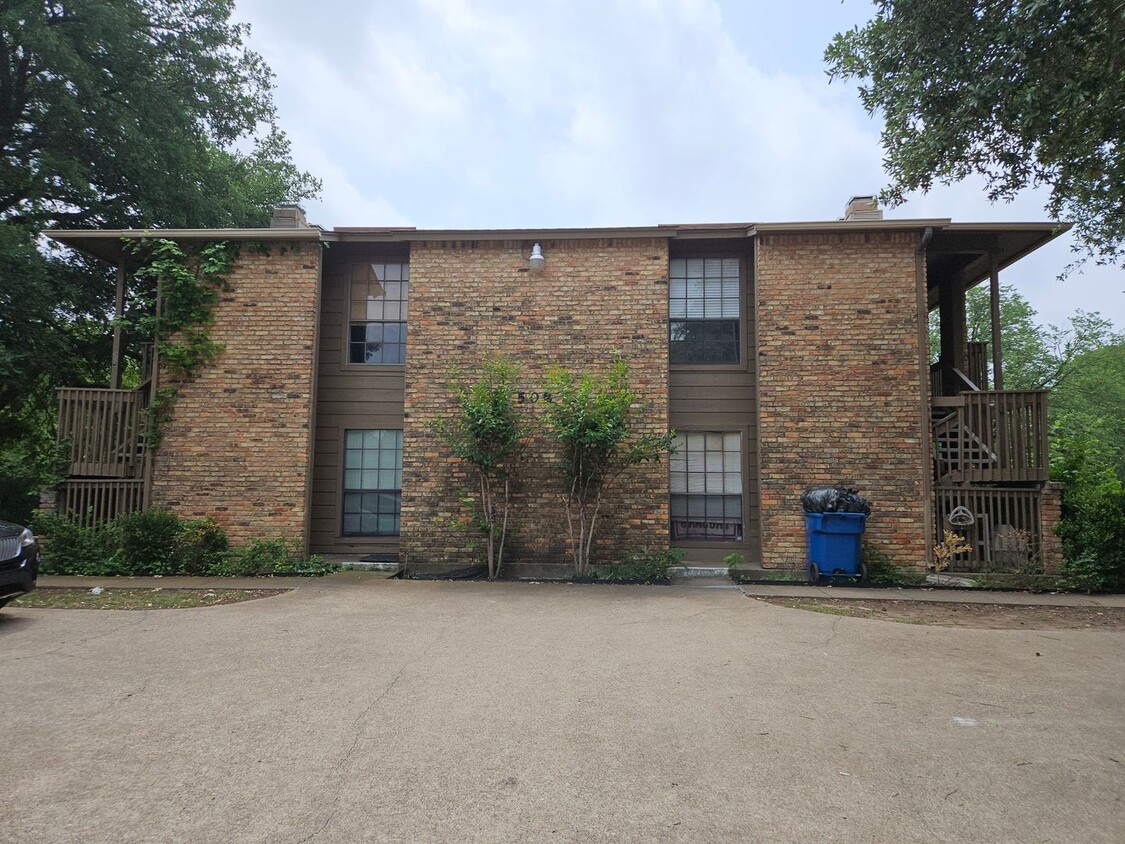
(111, 245)
(956, 250)
(961, 253)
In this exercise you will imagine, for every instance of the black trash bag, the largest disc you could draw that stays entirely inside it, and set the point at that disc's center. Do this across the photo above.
(834, 499)
(820, 499)
(850, 501)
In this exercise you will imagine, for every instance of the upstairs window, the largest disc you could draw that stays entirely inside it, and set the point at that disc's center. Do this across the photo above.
(705, 479)
(377, 321)
(704, 306)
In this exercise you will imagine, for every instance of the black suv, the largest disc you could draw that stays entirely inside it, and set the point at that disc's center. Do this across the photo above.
(19, 561)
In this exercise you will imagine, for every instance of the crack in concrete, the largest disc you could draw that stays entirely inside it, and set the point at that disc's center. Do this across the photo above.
(142, 613)
(359, 725)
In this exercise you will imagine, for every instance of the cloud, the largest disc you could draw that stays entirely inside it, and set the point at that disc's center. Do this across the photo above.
(499, 113)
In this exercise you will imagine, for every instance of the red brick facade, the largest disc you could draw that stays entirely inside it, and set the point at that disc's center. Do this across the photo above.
(237, 447)
(840, 392)
(596, 299)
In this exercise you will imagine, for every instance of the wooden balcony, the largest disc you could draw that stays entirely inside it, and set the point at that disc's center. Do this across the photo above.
(991, 437)
(104, 430)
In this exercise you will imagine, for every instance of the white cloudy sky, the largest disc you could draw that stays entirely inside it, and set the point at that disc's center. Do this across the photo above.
(543, 113)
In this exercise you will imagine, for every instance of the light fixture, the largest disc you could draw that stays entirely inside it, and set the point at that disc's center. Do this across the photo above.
(536, 262)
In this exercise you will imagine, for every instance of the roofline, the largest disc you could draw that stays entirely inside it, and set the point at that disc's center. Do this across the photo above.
(86, 239)
(850, 226)
(358, 233)
(67, 235)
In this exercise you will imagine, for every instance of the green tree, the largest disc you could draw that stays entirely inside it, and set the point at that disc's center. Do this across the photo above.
(486, 433)
(592, 418)
(1035, 356)
(1021, 92)
(114, 113)
(136, 113)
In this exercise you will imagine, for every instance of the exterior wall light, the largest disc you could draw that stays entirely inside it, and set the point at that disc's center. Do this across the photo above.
(536, 262)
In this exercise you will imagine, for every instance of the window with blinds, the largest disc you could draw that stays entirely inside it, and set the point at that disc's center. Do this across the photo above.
(706, 486)
(704, 308)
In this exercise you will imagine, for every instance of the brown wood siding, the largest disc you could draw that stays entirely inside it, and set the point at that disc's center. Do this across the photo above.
(724, 398)
(348, 397)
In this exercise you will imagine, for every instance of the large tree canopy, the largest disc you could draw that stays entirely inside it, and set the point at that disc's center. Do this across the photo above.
(1021, 92)
(136, 113)
(113, 113)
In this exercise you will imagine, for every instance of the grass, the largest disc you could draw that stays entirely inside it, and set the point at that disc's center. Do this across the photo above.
(63, 598)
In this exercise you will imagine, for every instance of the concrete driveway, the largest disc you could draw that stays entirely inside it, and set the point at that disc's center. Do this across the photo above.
(361, 709)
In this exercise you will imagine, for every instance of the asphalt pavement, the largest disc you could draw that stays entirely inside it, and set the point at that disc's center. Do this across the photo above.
(357, 708)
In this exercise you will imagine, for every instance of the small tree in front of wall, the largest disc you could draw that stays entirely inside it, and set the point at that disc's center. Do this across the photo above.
(486, 433)
(591, 416)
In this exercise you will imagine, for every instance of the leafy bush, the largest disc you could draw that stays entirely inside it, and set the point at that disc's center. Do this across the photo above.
(158, 542)
(203, 545)
(264, 557)
(881, 570)
(1092, 527)
(638, 567)
(70, 548)
(150, 542)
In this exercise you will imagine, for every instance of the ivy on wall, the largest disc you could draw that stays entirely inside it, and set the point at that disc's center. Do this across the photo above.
(184, 285)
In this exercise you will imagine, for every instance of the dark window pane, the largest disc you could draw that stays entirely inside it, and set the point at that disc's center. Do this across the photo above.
(703, 341)
(372, 510)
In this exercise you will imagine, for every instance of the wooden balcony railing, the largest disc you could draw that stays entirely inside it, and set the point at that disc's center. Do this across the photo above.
(104, 429)
(992, 437)
(91, 500)
(1006, 531)
(976, 364)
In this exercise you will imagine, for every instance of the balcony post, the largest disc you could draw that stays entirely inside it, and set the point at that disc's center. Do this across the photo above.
(118, 315)
(994, 297)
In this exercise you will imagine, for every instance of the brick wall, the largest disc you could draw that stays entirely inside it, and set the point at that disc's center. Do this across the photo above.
(237, 447)
(595, 299)
(1050, 512)
(839, 385)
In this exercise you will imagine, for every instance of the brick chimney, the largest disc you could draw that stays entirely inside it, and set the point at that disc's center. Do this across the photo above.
(289, 215)
(862, 208)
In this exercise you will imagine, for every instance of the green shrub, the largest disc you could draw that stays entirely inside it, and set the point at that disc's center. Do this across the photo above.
(638, 567)
(1092, 527)
(881, 570)
(70, 548)
(150, 543)
(263, 557)
(158, 542)
(202, 545)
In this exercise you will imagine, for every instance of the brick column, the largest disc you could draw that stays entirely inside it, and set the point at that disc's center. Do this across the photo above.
(237, 446)
(840, 395)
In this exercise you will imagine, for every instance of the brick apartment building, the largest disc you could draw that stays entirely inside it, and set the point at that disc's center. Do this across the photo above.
(782, 354)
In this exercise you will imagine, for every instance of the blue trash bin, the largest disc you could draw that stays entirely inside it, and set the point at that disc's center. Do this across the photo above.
(835, 545)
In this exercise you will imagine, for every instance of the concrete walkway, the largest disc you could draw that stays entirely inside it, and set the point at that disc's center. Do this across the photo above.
(357, 708)
(342, 579)
(952, 595)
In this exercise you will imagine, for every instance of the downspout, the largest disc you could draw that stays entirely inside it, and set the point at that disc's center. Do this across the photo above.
(924, 405)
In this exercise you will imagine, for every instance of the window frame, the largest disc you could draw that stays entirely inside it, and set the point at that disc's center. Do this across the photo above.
(346, 362)
(742, 494)
(345, 490)
(746, 543)
(744, 309)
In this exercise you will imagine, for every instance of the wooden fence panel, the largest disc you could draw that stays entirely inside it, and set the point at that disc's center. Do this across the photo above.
(1006, 533)
(103, 428)
(91, 500)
